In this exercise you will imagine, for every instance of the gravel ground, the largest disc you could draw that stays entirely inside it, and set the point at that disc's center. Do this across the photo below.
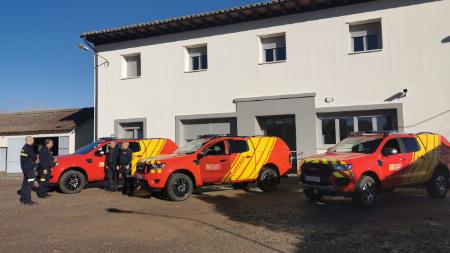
(222, 220)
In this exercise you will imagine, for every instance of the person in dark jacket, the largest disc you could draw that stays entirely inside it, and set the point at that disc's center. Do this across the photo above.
(45, 167)
(111, 166)
(28, 159)
(125, 157)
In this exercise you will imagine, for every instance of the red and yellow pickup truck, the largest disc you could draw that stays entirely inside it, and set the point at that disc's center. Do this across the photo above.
(365, 164)
(217, 160)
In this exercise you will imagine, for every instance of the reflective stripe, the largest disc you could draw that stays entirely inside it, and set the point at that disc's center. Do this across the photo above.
(30, 180)
(152, 171)
(42, 179)
(23, 154)
(159, 171)
(337, 174)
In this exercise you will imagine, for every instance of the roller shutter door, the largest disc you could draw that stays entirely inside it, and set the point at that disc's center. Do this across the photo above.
(190, 129)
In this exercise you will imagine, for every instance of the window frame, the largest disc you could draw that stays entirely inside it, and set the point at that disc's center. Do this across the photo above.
(365, 36)
(263, 50)
(189, 55)
(230, 144)
(124, 57)
(373, 114)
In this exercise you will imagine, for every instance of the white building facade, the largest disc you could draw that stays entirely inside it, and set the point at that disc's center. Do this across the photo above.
(310, 72)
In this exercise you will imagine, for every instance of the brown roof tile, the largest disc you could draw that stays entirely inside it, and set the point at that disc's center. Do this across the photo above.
(43, 122)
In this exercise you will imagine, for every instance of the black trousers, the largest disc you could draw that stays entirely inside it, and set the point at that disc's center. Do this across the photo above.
(27, 183)
(112, 175)
(128, 182)
(43, 183)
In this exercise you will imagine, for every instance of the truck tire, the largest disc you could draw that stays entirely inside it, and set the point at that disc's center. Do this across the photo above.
(179, 187)
(72, 181)
(437, 187)
(313, 194)
(366, 192)
(241, 186)
(268, 179)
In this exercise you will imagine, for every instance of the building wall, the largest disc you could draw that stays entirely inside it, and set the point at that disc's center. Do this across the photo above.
(84, 133)
(415, 56)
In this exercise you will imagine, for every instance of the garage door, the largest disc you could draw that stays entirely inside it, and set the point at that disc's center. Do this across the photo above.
(13, 159)
(190, 129)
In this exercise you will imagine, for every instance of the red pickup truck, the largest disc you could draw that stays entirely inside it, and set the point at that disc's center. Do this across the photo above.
(366, 164)
(217, 160)
(72, 172)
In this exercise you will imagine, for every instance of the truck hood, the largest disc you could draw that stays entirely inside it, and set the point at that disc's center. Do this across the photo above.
(337, 156)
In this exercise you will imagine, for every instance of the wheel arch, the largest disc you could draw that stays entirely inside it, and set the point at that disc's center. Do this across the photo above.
(186, 172)
(79, 169)
(374, 175)
(443, 167)
(272, 166)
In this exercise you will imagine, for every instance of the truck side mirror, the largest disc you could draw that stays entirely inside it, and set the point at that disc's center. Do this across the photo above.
(99, 152)
(389, 151)
(202, 154)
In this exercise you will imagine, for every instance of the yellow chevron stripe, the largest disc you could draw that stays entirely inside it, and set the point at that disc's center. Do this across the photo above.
(264, 159)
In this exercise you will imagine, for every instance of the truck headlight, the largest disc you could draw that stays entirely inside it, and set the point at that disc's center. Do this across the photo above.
(342, 167)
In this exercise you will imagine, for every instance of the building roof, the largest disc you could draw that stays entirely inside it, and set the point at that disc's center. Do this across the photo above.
(43, 122)
(240, 14)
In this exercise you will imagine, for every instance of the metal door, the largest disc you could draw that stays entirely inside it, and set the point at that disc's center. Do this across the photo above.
(3, 159)
(13, 157)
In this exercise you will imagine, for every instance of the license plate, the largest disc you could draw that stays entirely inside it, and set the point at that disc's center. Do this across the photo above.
(312, 179)
(138, 175)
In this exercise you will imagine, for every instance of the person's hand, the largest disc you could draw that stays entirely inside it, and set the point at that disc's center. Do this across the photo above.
(36, 184)
(117, 167)
(127, 167)
(45, 172)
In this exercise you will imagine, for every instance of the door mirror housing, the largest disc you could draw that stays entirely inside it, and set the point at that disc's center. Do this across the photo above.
(99, 153)
(202, 154)
(389, 151)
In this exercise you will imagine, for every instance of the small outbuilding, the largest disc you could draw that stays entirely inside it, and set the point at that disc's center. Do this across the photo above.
(69, 129)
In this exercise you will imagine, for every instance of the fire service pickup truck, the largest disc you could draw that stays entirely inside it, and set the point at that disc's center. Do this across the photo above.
(217, 160)
(365, 164)
(72, 172)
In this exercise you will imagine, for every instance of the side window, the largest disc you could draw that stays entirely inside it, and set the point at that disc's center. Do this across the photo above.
(216, 149)
(410, 144)
(105, 148)
(238, 146)
(135, 147)
(393, 143)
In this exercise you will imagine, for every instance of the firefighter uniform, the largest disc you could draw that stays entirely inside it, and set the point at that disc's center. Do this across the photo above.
(111, 168)
(45, 163)
(27, 163)
(125, 157)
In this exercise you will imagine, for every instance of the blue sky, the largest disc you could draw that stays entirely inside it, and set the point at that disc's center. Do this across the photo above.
(40, 65)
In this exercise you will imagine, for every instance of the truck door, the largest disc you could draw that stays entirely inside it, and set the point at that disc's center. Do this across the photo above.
(215, 162)
(95, 162)
(417, 166)
(393, 162)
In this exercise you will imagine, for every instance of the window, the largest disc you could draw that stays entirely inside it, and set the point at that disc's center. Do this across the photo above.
(273, 48)
(335, 127)
(393, 143)
(410, 145)
(131, 66)
(366, 37)
(130, 130)
(135, 147)
(216, 149)
(198, 58)
(238, 146)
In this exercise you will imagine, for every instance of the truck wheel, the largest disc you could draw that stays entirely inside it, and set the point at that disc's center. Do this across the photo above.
(72, 181)
(365, 194)
(437, 187)
(313, 194)
(241, 186)
(179, 187)
(268, 179)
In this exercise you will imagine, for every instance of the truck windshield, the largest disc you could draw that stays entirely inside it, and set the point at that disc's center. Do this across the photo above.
(86, 149)
(192, 146)
(365, 145)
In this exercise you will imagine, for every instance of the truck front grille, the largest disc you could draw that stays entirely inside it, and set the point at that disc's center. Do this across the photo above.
(323, 171)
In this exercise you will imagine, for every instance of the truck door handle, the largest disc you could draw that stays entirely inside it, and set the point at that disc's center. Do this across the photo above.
(223, 160)
(89, 160)
(402, 159)
(139, 156)
(249, 156)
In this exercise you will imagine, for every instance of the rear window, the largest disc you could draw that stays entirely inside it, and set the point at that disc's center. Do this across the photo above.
(410, 144)
(135, 147)
(238, 146)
